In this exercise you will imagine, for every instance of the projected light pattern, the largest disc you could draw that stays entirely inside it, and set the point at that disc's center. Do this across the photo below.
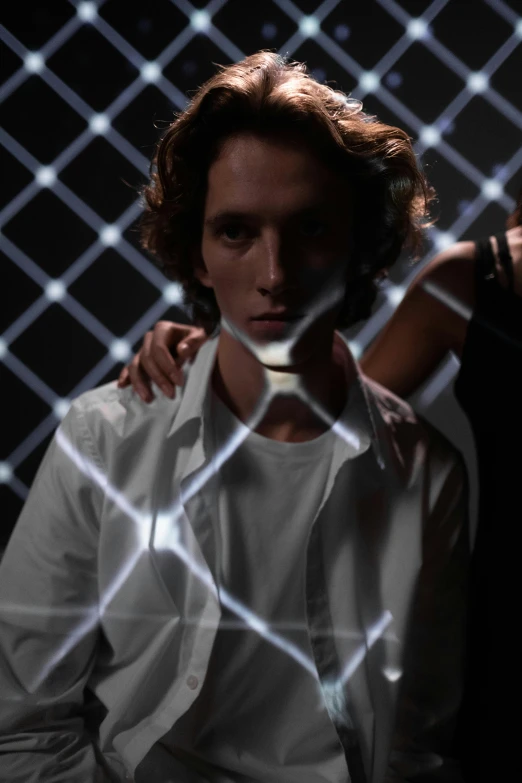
(309, 27)
(163, 533)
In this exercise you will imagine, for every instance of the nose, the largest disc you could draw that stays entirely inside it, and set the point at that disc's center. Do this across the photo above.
(272, 274)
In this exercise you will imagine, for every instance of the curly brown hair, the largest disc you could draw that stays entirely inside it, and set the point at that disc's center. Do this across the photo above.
(265, 94)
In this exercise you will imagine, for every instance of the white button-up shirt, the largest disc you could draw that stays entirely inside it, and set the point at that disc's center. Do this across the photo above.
(115, 550)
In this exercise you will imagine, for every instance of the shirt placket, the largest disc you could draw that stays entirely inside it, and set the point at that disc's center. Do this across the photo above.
(320, 629)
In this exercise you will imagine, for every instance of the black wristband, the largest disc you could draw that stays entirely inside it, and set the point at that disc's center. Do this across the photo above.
(504, 256)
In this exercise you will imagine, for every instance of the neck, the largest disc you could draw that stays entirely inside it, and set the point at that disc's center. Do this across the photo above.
(240, 381)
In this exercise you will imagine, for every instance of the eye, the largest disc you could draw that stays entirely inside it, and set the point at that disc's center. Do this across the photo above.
(313, 228)
(233, 232)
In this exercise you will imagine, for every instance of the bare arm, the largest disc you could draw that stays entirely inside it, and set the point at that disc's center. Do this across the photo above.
(423, 328)
(404, 355)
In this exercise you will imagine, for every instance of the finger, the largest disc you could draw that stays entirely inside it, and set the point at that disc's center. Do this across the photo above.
(172, 334)
(177, 375)
(123, 379)
(166, 336)
(139, 379)
(158, 363)
(190, 345)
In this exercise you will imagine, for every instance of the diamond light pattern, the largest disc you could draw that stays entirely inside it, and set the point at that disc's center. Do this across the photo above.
(79, 131)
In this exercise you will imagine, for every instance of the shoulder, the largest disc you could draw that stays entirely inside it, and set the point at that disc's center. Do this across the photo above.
(113, 405)
(110, 415)
(445, 294)
(453, 269)
(107, 414)
(107, 398)
(393, 409)
(414, 445)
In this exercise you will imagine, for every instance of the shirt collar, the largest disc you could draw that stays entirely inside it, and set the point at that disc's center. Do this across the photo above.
(363, 416)
(196, 392)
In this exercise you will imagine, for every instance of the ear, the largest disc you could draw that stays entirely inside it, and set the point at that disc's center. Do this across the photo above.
(200, 269)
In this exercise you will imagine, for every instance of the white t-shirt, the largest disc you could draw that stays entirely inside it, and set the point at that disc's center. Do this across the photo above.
(260, 716)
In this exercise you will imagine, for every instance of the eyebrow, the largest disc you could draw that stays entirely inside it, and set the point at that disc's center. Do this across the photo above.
(237, 215)
(219, 217)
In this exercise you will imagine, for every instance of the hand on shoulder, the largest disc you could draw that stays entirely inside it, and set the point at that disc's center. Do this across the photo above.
(160, 359)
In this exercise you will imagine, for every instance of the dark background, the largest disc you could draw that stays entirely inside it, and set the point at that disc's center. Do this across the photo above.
(87, 88)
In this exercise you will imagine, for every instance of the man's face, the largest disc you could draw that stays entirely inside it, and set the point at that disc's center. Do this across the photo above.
(276, 241)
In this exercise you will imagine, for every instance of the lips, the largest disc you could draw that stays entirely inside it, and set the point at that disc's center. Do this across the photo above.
(277, 315)
(273, 325)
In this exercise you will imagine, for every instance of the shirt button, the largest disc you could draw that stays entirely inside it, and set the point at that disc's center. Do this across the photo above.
(192, 682)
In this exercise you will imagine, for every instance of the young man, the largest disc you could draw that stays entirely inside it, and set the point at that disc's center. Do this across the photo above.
(263, 579)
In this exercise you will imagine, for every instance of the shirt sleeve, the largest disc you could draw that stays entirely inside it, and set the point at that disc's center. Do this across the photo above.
(49, 618)
(434, 662)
